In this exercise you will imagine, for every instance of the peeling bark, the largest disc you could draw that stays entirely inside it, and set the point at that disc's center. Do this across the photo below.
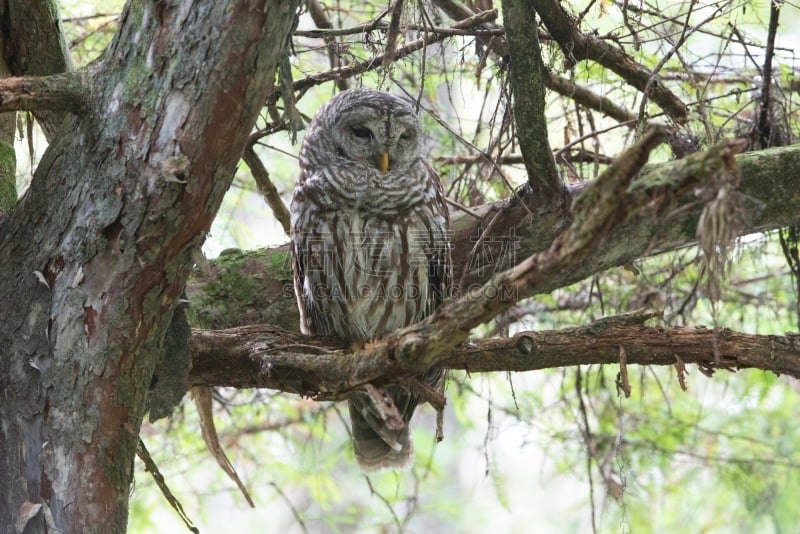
(97, 252)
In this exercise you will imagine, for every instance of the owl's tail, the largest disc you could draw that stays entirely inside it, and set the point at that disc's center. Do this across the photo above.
(376, 446)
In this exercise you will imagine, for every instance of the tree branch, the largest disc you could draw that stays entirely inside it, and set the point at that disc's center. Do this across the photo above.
(263, 356)
(587, 98)
(266, 187)
(578, 46)
(377, 61)
(35, 45)
(528, 80)
(255, 287)
(604, 205)
(765, 101)
(560, 84)
(66, 92)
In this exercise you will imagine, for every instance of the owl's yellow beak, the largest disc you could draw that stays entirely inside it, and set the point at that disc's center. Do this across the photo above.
(383, 162)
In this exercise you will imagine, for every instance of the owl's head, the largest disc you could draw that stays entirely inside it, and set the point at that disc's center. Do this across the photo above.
(366, 128)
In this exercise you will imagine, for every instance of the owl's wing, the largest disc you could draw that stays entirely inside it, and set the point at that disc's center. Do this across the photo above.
(302, 235)
(440, 262)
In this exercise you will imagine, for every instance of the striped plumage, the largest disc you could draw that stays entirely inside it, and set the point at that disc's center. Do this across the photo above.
(369, 243)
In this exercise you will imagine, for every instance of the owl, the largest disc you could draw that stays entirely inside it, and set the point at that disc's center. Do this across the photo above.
(370, 245)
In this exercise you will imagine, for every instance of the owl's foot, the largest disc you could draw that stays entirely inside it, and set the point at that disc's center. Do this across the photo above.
(358, 346)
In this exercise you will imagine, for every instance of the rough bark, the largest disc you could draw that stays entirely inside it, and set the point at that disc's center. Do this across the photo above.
(8, 158)
(63, 93)
(529, 77)
(263, 356)
(97, 252)
(36, 46)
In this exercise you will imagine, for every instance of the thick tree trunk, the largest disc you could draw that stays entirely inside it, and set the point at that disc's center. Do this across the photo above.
(95, 255)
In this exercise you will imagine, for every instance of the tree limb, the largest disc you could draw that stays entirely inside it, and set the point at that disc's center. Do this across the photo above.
(266, 187)
(377, 61)
(255, 287)
(65, 92)
(604, 205)
(590, 99)
(262, 356)
(528, 80)
(35, 45)
(578, 46)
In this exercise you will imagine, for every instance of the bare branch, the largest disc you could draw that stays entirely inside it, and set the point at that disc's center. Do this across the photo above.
(554, 81)
(765, 102)
(578, 46)
(458, 12)
(587, 98)
(377, 61)
(266, 187)
(322, 21)
(266, 357)
(393, 32)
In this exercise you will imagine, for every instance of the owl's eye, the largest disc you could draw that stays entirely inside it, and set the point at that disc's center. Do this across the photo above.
(406, 136)
(361, 132)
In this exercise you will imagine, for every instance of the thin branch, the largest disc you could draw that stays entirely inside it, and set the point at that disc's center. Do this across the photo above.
(458, 11)
(578, 46)
(382, 26)
(266, 187)
(377, 61)
(393, 32)
(765, 103)
(320, 18)
(556, 82)
(587, 98)
(151, 467)
(577, 156)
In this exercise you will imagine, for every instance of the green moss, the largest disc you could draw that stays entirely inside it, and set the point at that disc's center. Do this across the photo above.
(280, 264)
(244, 287)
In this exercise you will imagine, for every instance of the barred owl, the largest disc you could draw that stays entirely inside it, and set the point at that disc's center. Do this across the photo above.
(370, 245)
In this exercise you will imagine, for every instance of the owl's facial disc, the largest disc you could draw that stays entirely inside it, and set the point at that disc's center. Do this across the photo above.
(364, 134)
(384, 141)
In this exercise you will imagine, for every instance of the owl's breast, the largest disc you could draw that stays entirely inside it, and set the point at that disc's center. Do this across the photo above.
(369, 275)
(365, 190)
